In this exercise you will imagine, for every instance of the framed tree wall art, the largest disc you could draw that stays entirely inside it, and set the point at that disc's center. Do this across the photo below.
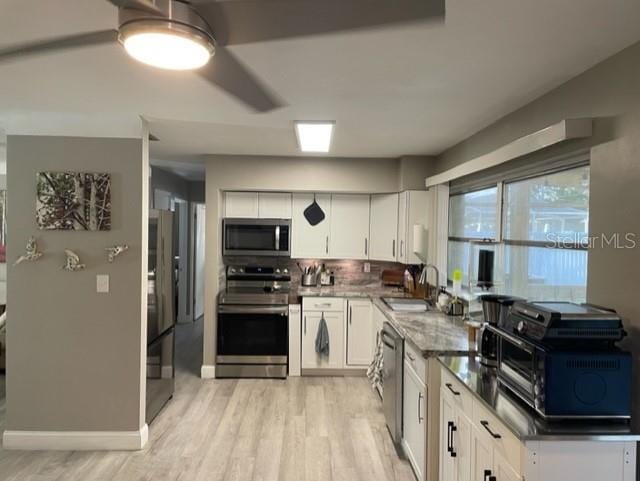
(73, 201)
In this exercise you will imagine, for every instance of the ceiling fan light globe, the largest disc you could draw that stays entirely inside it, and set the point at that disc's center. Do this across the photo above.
(167, 47)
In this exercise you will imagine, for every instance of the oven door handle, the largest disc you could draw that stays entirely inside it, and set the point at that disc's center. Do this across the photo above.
(253, 310)
(512, 339)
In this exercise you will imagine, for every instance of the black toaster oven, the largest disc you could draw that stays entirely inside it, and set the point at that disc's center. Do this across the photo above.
(565, 383)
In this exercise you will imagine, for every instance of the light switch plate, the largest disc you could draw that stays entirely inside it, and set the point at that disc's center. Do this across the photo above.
(102, 283)
(367, 267)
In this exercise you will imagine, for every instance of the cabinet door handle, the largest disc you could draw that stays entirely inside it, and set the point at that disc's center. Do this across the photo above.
(305, 325)
(327, 245)
(393, 249)
(420, 418)
(401, 248)
(487, 475)
(451, 428)
(485, 424)
(366, 248)
(450, 388)
(350, 314)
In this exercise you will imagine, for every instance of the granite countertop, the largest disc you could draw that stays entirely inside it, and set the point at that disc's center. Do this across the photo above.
(354, 291)
(525, 423)
(432, 333)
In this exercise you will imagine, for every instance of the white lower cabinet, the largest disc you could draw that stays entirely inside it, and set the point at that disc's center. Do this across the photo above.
(360, 340)
(414, 416)
(476, 446)
(351, 333)
(335, 325)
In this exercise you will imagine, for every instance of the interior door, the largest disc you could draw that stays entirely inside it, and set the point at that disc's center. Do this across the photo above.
(349, 237)
(310, 324)
(309, 241)
(359, 333)
(383, 229)
(182, 260)
(198, 271)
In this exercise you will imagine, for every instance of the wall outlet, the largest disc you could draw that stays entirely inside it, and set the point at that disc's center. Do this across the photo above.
(102, 283)
(366, 267)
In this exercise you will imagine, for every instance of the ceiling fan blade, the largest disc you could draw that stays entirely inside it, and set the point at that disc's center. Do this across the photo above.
(228, 73)
(147, 6)
(245, 21)
(59, 43)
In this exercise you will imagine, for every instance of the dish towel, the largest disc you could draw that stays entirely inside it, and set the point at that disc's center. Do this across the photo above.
(374, 373)
(322, 338)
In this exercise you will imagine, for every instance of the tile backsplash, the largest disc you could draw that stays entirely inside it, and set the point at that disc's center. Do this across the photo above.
(346, 272)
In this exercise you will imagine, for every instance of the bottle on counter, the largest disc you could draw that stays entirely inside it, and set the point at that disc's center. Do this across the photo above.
(325, 276)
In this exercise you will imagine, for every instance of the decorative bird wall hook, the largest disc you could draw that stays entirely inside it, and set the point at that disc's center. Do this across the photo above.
(72, 263)
(115, 251)
(31, 253)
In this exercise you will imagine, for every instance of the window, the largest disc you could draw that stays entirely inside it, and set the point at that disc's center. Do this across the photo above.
(540, 252)
(473, 217)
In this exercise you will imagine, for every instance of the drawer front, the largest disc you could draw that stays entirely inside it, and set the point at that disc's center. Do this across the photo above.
(325, 304)
(497, 433)
(460, 395)
(416, 361)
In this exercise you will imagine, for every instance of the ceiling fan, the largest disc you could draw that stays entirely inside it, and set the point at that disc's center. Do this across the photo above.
(185, 35)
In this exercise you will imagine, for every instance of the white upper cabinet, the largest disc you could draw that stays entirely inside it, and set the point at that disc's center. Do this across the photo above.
(349, 237)
(309, 241)
(274, 205)
(254, 205)
(383, 232)
(413, 215)
(241, 205)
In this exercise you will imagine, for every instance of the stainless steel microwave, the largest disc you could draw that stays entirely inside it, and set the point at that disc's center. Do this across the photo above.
(256, 237)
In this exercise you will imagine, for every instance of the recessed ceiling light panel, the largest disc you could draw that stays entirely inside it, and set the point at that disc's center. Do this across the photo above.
(314, 136)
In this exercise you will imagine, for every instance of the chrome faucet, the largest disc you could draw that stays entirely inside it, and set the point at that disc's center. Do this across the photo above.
(423, 282)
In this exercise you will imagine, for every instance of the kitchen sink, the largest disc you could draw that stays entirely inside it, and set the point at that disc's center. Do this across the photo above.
(406, 304)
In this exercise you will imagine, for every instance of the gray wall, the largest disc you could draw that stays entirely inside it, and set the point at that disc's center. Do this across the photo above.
(413, 170)
(610, 93)
(75, 356)
(283, 174)
(169, 182)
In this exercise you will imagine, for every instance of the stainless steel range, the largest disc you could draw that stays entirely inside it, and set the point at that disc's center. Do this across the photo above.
(253, 323)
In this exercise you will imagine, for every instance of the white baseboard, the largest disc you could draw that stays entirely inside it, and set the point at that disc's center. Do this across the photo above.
(76, 440)
(207, 372)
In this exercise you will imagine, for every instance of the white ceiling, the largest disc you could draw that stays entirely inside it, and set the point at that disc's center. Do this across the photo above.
(399, 91)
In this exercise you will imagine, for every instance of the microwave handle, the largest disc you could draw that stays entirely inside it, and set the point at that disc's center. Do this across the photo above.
(512, 339)
(277, 237)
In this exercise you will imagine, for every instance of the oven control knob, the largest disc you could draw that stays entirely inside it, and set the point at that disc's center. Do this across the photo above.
(232, 270)
(286, 271)
(277, 271)
(521, 327)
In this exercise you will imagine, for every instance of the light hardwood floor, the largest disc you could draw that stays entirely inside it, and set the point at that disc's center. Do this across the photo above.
(301, 429)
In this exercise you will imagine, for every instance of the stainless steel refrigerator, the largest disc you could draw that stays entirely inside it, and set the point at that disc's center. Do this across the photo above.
(160, 313)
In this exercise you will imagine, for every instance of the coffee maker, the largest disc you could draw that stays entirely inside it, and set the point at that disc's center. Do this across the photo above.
(495, 308)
